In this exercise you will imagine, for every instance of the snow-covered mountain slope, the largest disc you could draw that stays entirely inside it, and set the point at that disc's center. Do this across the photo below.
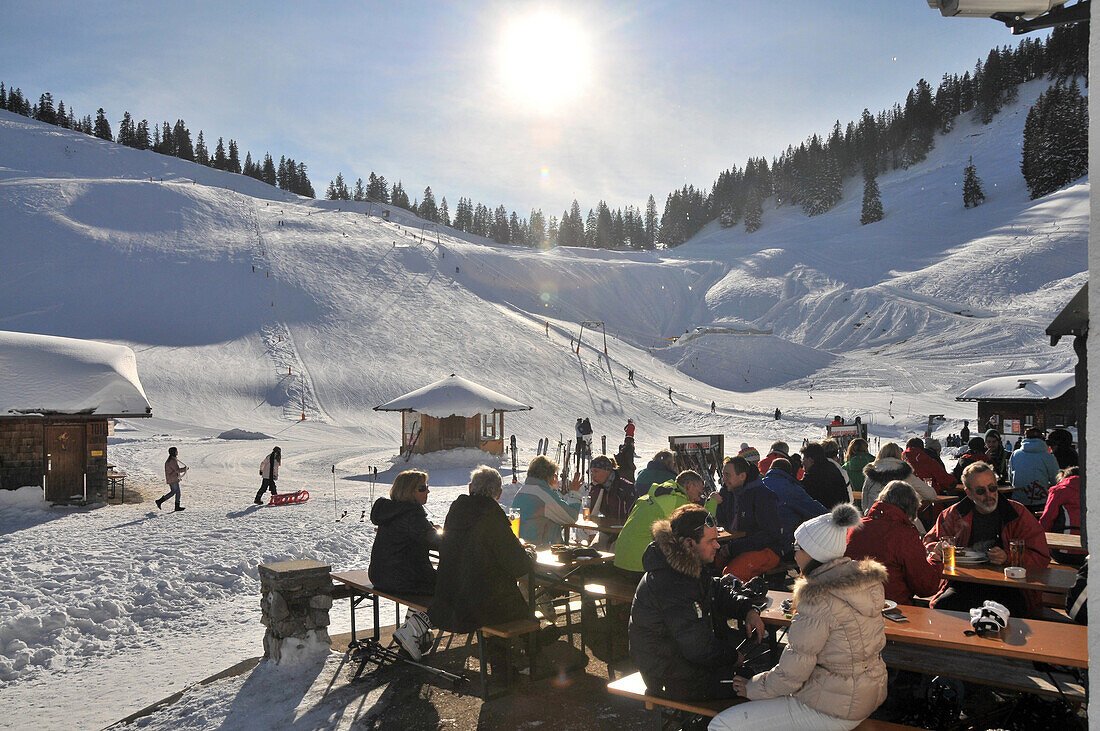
(247, 307)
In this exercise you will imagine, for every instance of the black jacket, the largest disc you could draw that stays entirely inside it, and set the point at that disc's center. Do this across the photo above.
(479, 561)
(754, 509)
(679, 638)
(824, 484)
(399, 557)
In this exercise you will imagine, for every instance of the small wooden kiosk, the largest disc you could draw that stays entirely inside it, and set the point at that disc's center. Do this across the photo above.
(56, 397)
(1011, 404)
(452, 413)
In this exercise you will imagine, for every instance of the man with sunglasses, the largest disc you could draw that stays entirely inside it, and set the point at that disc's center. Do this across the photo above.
(680, 639)
(983, 521)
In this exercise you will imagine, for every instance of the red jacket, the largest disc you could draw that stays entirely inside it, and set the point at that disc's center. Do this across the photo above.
(766, 463)
(887, 536)
(1064, 500)
(1018, 523)
(927, 468)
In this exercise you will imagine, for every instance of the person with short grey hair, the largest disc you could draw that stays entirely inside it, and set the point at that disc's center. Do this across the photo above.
(479, 561)
(486, 481)
(887, 535)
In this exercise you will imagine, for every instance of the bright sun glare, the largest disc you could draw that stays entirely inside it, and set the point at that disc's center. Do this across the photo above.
(545, 60)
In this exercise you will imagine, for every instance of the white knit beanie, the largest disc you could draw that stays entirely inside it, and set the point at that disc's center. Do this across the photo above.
(826, 536)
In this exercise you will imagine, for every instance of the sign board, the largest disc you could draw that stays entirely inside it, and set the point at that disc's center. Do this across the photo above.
(97, 452)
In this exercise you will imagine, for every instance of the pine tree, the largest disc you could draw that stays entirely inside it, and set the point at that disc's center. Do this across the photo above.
(46, 112)
(102, 128)
(126, 131)
(972, 186)
(182, 137)
(444, 213)
(141, 136)
(872, 203)
(427, 209)
(222, 163)
(651, 224)
(233, 163)
(360, 192)
(754, 211)
(167, 144)
(268, 175)
(62, 116)
(202, 155)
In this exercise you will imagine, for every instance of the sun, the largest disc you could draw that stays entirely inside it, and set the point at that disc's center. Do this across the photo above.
(545, 60)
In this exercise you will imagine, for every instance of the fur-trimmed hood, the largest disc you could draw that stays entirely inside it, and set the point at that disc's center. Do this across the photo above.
(843, 579)
(886, 469)
(672, 552)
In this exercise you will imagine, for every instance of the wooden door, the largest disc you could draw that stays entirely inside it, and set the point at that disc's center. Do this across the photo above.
(64, 461)
(452, 432)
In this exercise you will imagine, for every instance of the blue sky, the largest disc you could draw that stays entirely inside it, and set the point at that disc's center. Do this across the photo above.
(642, 97)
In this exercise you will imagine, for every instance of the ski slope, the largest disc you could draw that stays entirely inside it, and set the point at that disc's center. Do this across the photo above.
(247, 307)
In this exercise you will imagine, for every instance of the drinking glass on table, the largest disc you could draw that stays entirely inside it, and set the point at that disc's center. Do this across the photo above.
(947, 550)
(513, 518)
(1016, 550)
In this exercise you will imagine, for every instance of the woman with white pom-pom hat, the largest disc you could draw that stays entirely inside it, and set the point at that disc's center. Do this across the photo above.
(831, 674)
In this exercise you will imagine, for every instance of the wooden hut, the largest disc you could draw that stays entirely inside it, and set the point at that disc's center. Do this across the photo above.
(452, 413)
(56, 397)
(1011, 404)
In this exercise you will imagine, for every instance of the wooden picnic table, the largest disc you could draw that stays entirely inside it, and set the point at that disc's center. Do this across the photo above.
(614, 526)
(858, 495)
(1058, 580)
(1065, 542)
(1024, 639)
(548, 560)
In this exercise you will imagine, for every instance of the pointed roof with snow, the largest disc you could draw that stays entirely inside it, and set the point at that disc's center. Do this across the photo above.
(453, 396)
(44, 374)
(1025, 387)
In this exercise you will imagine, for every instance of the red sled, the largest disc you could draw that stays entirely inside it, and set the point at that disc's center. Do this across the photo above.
(289, 498)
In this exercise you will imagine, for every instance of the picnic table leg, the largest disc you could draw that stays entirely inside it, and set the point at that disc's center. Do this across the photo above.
(484, 671)
(377, 631)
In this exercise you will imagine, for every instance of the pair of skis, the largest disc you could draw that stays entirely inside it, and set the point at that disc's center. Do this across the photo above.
(544, 444)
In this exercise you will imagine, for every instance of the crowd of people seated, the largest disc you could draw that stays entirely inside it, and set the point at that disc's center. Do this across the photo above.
(784, 509)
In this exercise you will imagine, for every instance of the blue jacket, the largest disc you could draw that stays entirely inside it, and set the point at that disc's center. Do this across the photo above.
(795, 505)
(1032, 470)
(654, 473)
(754, 509)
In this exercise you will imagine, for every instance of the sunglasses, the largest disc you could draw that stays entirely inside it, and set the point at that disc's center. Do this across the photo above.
(422, 489)
(980, 491)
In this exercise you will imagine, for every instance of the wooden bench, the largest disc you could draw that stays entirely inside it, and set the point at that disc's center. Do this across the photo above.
(116, 481)
(1018, 675)
(632, 686)
(357, 588)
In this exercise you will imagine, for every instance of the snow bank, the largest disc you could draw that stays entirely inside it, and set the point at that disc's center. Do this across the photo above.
(23, 498)
(243, 434)
(745, 362)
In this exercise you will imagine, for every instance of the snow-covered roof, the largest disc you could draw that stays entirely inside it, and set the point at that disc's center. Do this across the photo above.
(1025, 387)
(453, 396)
(44, 374)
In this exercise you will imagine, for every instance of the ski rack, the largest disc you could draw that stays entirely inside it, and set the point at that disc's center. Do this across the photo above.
(703, 453)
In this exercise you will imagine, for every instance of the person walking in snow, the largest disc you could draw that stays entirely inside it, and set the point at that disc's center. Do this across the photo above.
(629, 429)
(173, 473)
(712, 407)
(269, 471)
(630, 376)
(670, 394)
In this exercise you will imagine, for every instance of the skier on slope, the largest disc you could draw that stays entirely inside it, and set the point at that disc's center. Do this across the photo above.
(269, 471)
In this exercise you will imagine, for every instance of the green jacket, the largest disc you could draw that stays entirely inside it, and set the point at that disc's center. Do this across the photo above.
(637, 532)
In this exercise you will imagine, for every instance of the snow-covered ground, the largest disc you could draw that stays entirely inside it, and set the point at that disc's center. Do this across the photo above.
(246, 307)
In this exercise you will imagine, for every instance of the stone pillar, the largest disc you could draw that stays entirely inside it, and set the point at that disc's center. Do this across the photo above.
(295, 599)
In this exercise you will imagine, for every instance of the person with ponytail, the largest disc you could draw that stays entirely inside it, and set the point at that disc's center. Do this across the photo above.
(831, 674)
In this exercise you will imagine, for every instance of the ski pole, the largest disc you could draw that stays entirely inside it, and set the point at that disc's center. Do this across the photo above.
(334, 508)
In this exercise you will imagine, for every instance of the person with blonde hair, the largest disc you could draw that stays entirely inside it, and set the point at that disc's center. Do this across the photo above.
(856, 458)
(543, 510)
(887, 467)
(399, 560)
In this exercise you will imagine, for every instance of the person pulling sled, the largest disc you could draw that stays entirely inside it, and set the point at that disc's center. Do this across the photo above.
(269, 471)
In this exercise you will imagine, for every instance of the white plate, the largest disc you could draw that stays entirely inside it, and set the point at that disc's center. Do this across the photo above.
(889, 604)
(970, 560)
